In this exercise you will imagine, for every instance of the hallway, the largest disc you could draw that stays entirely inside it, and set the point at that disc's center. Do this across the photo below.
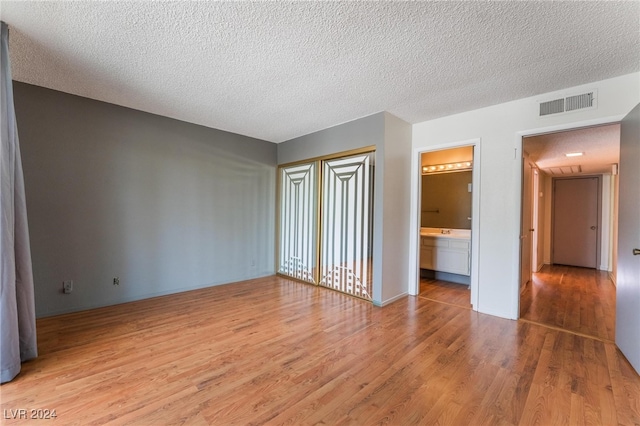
(579, 300)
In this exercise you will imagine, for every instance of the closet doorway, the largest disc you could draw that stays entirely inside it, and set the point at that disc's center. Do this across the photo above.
(325, 226)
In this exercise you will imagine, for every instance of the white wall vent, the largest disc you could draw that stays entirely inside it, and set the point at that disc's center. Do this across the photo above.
(582, 101)
(555, 106)
(586, 100)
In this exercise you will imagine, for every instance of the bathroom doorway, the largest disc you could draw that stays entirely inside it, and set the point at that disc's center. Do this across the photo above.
(446, 200)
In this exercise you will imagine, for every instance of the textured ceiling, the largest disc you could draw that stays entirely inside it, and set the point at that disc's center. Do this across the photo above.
(278, 70)
(600, 147)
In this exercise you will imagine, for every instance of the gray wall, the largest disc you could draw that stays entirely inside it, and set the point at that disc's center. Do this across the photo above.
(367, 131)
(164, 205)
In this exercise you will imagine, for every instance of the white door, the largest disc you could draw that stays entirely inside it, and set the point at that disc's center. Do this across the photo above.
(575, 222)
(628, 280)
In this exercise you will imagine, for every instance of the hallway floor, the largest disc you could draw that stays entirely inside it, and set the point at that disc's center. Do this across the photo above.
(579, 300)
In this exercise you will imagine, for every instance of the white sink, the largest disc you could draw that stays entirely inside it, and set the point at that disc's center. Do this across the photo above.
(446, 233)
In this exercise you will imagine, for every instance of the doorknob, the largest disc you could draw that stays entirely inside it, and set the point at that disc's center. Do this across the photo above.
(636, 252)
(593, 228)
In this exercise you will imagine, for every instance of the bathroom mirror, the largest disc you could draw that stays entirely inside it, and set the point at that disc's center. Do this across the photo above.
(446, 200)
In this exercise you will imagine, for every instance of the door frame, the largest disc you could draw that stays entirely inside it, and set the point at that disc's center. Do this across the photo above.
(414, 221)
(517, 191)
(526, 235)
(535, 220)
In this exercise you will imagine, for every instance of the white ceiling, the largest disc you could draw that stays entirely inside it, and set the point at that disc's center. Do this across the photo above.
(278, 70)
(600, 147)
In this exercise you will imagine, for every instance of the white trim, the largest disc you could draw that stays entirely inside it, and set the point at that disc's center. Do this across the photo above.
(570, 126)
(517, 190)
(414, 225)
(535, 220)
(389, 301)
(605, 224)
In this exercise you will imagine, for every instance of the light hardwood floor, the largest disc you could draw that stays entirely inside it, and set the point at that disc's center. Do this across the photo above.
(445, 292)
(580, 300)
(274, 351)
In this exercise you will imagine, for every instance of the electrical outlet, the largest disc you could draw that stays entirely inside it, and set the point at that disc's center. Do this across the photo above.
(116, 281)
(67, 287)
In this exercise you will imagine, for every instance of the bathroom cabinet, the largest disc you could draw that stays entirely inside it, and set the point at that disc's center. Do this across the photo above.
(443, 254)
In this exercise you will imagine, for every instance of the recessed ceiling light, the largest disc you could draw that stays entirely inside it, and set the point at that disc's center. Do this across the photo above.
(574, 154)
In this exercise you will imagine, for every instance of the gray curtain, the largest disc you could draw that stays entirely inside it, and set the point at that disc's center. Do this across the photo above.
(17, 306)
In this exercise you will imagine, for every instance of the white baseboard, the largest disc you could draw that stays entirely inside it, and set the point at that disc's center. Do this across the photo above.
(389, 301)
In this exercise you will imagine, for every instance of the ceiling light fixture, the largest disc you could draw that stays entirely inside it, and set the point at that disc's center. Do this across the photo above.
(574, 154)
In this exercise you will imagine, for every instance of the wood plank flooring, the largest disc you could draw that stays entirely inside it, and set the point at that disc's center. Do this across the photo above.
(581, 300)
(445, 292)
(274, 351)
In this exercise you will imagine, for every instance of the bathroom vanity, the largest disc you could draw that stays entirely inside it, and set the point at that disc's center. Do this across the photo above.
(446, 250)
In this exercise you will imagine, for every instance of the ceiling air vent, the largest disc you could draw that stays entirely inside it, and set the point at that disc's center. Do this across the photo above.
(571, 103)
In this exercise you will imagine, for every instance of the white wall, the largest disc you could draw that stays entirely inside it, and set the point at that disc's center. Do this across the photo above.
(397, 201)
(501, 128)
(164, 205)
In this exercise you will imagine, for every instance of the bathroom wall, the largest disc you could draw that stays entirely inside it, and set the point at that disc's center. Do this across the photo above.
(445, 156)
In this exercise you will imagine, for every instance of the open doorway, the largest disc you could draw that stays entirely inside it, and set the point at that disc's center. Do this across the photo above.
(445, 250)
(555, 291)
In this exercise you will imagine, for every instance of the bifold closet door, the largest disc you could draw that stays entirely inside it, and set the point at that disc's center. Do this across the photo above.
(347, 224)
(298, 222)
